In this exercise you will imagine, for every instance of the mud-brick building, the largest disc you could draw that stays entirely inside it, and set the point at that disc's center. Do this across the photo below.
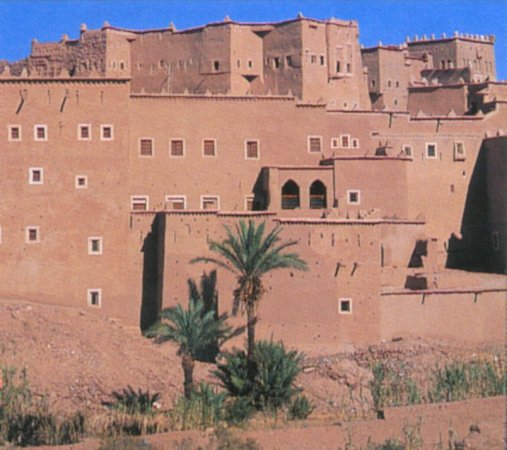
(123, 152)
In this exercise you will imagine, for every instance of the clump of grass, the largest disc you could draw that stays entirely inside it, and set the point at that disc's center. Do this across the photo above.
(116, 423)
(300, 408)
(131, 401)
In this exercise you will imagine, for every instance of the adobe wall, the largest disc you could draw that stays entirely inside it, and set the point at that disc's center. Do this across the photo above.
(438, 100)
(58, 268)
(462, 317)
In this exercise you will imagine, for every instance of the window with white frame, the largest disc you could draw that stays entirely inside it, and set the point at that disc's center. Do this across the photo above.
(32, 234)
(94, 297)
(139, 202)
(459, 151)
(251, 149)
(407, 150)
(495, 241)
(210, 202)
(345, 141)
(84, 132)
(335, 142)
(355, 142)
(81, 182)
(431, 150)
(175, 202)
(14, 133)
(95, 245)
(35, 175)
(345, 306)
(209, 147)
(353, 197)
(146, 147)
(177, 148)
(40, 133)
(314, 144)
(106, 133)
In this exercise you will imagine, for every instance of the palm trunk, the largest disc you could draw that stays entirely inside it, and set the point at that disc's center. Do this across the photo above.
(187, 362)
(251, 321)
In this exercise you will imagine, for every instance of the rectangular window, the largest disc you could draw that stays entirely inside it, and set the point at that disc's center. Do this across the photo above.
(177, 147)
(32, 234)
(459, 151)
(210, 202)
(355, 143)
(14, 133)
(335, 143)
(106, 133)
(95, 246)
(94, 297)
(288, 61)
(353, 197)
(345, 141)
(322, 60)
(313, 59)
(276, 62)
(349, 68)
(407, 150)
(216, 65)
(495, 240)
(252, 149)
(345, 306)
(36, 175)
(139, 202)
(81, 182)
(40, 133)
(431, 151)
(175, 202)
(250, 64)
(84, 132)
(209, 147)
(146, 147)
(314, 144)
(249, 202)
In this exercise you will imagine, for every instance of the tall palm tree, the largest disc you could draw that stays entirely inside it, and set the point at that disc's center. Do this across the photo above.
(249, 254)
(192, 331)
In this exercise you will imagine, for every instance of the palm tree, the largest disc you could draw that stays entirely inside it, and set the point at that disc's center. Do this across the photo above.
(192, 331)
(249, 255)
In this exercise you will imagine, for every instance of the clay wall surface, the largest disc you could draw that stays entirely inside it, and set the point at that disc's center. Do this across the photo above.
(438, 100)
(58, 268)
(451, 316)
(343, 263)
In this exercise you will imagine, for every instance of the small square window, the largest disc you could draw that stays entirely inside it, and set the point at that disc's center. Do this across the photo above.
(139, 202)
(314, 144)
(175, 202)
(407, 150)
(249, 202)
(94, 297)
(14, 133)
(313, 59)
(177, 147)
(250, 64)
(216, 65)
(36, 175)
(252, 149)
(209, 147)
(40, 133)
(210, 202)
(32, 234)
(106, 133)
(389, 83)
(146, 147)
(95, 246)
(495, 241)
(345, 306)
(335, 143)
(345, 141)
(84, 132)
(353, 197)
(459, 151)
(355, 143)
(81, 182)
(431, 151)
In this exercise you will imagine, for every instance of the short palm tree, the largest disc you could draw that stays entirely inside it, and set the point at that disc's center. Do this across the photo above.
(249, 254)
(192, 331)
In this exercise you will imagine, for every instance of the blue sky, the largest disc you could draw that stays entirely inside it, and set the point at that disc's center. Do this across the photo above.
(389, 21)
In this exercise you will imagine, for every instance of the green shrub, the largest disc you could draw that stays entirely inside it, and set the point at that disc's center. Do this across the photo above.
(203, 409)
(130, 401)
(238, 411)
(272, 384)
(300, 408)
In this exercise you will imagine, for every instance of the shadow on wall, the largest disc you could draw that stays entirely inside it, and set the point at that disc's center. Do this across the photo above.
(153, 270)
(472, 251)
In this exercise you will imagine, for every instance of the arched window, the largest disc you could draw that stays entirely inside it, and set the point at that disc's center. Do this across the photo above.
(318, 198)
(290, 195)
